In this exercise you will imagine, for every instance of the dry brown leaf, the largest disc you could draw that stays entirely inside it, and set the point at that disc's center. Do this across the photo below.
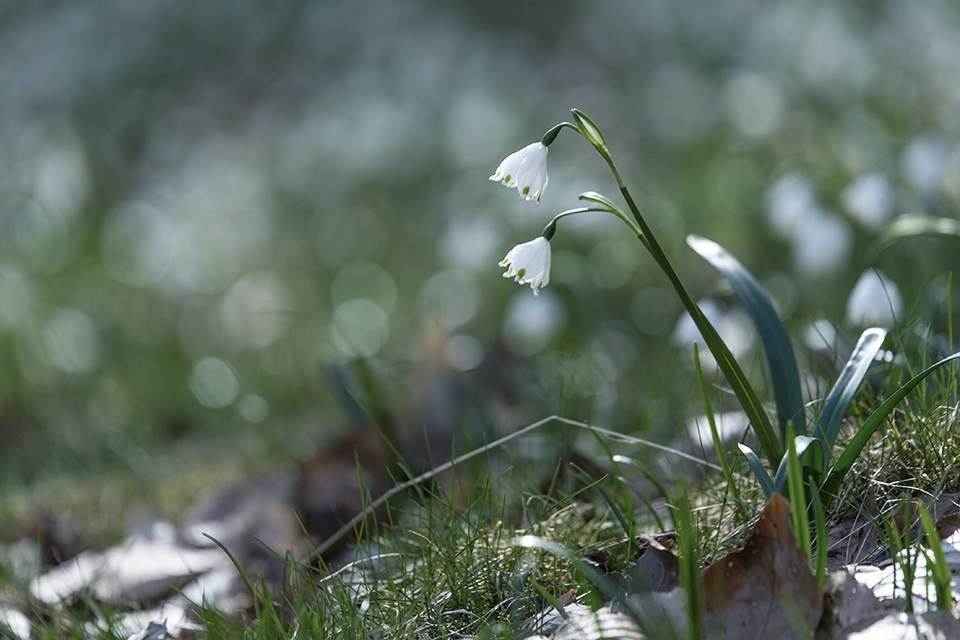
(766, 590)
(331, 489)
(656, 570)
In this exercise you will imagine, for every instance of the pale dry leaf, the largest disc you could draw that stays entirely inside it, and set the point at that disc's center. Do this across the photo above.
(933, 625)
(847, 604)
(602, 624)
(140, 570)
(154, 631)
(766, 590)
(888, 582)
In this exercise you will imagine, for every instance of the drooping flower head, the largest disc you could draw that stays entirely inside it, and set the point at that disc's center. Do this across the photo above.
(529, 263)
(526, 170)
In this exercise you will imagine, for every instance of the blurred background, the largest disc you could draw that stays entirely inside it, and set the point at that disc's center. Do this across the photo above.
(223, 221)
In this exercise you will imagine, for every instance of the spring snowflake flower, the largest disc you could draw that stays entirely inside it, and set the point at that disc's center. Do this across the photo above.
(529, 263)
(526, 170)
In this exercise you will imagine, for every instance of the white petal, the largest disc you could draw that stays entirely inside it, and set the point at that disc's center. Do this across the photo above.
(529, 263)
(526, 170)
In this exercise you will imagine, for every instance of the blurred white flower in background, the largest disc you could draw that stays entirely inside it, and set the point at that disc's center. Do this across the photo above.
(874, 301)
(822, 246)
(820, 335)
(530, 324)
(529, 263)
(869, 200)
(733, 325)
(820, 240)
(925, 162)
(526, 170)
(786, 204)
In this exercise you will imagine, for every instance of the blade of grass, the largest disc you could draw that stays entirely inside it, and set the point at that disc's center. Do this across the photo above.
(784, 374)
(820, 520)
(609, 590)
(687, 536)
(626, 503)
(646, 502)
(243, 575)
(940, 569)
(553, 602)
(798, 502)
(646, 473)
(714, 433)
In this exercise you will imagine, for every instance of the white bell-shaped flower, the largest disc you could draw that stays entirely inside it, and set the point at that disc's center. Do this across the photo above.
(529, 263)
(526, 170)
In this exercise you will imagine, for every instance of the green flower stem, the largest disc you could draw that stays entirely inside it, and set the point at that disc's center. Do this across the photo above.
(552, 134)
(551, 226)
(735, 377)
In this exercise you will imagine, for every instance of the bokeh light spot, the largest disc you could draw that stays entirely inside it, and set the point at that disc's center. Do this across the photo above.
(450, 297)
(463, 352)
(531, 322)
(364, 280)
(360, 328)
(137, 244)
(255, 311)
(214, 383)
(253, 408)
(71, 341)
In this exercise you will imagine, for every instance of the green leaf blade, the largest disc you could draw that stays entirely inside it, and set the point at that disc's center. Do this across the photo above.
(800, 446)
(915, 226)
(763, 477)
(773, 336)
(852, 451)
(839, 399)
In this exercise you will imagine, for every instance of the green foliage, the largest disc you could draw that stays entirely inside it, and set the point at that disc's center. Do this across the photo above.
(908, 227)
(939, 569)
(796, 485)
(782, 365)
(852, 450)
(820, 527)
(780, 355)
(839, 399)
(689, 536)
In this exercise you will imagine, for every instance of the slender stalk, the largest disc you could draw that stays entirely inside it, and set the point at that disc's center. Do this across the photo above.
(738, 380)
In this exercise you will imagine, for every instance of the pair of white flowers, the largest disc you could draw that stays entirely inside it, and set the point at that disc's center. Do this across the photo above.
(526, 169)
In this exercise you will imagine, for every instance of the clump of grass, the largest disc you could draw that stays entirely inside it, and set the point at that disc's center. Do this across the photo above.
(442, 563)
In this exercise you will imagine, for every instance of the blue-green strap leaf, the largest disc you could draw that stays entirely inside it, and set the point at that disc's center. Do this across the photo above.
(802, 443)
(838, 401)
(766, 483)
(773, 335)
(870, 426)
(915, 226)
